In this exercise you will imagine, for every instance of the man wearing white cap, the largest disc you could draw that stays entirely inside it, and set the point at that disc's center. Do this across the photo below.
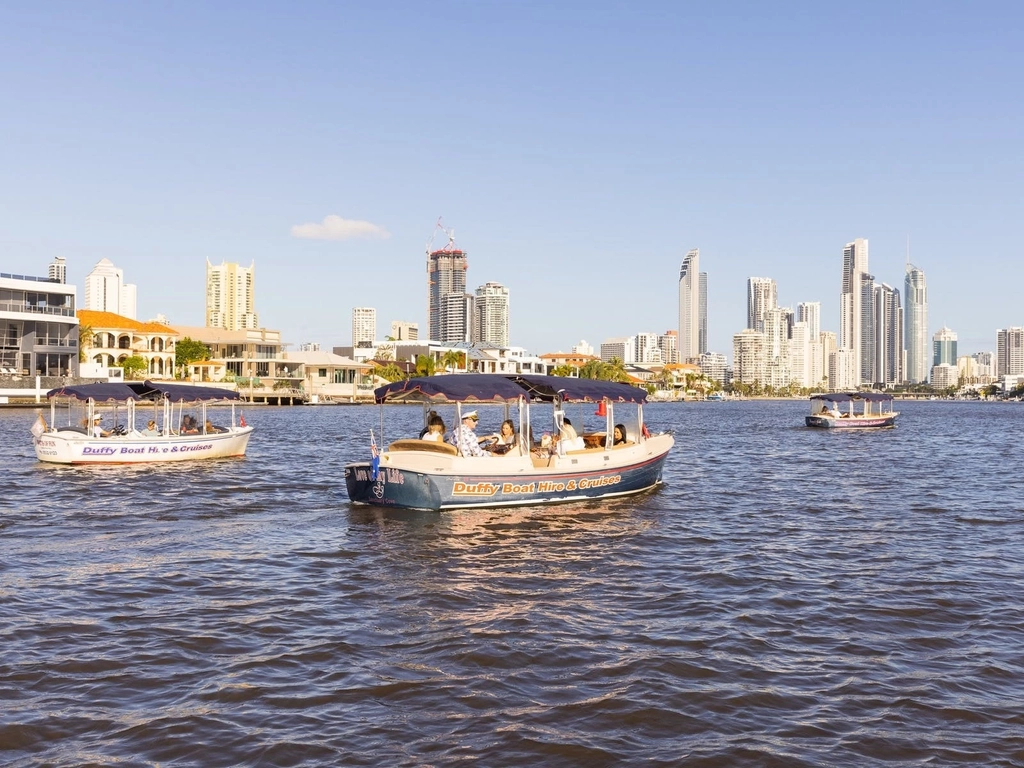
(464, 437)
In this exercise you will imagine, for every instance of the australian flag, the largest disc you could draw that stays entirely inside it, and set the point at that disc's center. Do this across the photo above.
(375, 461)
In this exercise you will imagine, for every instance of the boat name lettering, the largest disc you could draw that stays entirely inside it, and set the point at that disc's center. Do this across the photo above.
(47, 443)
(104, 451)
(187, 448)
(393, 476)
(599, 482)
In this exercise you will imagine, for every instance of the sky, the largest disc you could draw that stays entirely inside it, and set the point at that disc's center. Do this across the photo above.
(578, 151)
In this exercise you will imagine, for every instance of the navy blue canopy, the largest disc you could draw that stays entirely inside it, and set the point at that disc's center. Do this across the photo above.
(496, 388)
(465, 387)
(846, 397)
(101, 392)
(186, 393)
(575, 390)
(149, 390)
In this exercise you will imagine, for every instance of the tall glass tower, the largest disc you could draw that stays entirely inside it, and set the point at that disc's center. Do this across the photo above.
(916, 295)
(689, 306)
(851, 309)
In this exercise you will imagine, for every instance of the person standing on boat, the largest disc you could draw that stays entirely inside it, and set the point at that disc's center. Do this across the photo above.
(464, 437)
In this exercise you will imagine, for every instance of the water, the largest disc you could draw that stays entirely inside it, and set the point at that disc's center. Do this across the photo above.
(791, 597)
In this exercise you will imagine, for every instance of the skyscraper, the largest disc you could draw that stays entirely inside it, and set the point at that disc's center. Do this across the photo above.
(689, 306)
(106, 291)
(446, 293)
(851, 315)
(810, 312)
(58, 270)
(229, 296)
(944, 347)
(915, 293)
(762, 295)
(491, 314)
(364, 326)
(1010, 352)
(702, 315)
(888, 329)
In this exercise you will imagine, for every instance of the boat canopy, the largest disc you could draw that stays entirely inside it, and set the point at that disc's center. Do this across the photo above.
(497, 388)
(846, 397)
(148, 390)
(186, 393)
(573, 390)
(101, 392)
(474, 387)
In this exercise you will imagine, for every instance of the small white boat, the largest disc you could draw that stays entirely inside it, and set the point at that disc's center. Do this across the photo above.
(109, 435)
(852, 410)
(420, 474)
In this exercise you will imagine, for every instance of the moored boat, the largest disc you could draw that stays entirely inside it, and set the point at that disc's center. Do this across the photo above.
(107, 432)
(852, 410)
(420, 474)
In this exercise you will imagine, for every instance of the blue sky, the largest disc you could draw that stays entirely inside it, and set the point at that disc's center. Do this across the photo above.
(577, 149)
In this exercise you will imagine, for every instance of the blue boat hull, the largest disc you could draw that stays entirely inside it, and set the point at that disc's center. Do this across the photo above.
(417, 490)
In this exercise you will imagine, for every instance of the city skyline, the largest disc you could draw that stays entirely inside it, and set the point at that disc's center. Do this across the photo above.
(590, 141)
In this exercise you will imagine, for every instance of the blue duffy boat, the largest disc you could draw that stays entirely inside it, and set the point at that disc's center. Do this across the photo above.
(559, 467)
(852, 410)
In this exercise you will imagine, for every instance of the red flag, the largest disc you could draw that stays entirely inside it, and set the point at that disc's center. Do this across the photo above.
(242, 420)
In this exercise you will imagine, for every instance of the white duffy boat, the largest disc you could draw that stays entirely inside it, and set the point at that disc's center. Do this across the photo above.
(97, 424)
(420, 474)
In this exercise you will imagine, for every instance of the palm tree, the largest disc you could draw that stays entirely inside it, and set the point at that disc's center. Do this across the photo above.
(451, 360)
(84, 341)
(425, 365)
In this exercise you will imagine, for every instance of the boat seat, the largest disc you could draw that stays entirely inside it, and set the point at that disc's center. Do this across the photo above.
(423, 445)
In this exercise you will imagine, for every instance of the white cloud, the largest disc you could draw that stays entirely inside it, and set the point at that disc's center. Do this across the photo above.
(337, 228)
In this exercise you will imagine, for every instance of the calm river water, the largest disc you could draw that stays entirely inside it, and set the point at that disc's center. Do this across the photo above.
(790, 597)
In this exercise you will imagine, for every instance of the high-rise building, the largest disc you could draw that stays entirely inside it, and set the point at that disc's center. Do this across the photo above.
(713, 365)
(621, 347)
(230, 297)
(851, 315)
(829, 345)
(58, 270)
(491, 314)
(702, 315)
(915, 294)
(669, 344)
(402, 330)
(446, 278)
(106, 291)
(800, 360)
(776, 324)
(689, 306)
(944, 347)
(762, 295)
(750, 357)
(364, 326)
(1010, 352)
(810, 312)
(867, 329)
(646, 348)
(888, 341)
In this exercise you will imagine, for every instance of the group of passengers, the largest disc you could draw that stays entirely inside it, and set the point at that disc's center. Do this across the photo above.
(465, 439)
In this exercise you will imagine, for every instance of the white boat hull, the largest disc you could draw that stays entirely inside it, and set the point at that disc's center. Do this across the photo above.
(74, 447)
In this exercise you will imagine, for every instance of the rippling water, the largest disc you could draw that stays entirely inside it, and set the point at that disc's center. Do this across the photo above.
(790, 597)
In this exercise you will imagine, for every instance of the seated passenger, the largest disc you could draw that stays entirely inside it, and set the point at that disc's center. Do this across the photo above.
(95, 430)
(426, 427)
(505, 440)
(189, 426)
(151, 430)
(464, 437)
(210, 429)
(435, 429)
(618, 435)
(567, 437)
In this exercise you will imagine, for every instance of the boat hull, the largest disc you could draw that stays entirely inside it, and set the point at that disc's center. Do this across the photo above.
(517, 483)
(853, 422)
(73, 447)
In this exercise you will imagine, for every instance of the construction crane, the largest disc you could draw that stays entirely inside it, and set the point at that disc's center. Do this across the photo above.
(450, 233)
